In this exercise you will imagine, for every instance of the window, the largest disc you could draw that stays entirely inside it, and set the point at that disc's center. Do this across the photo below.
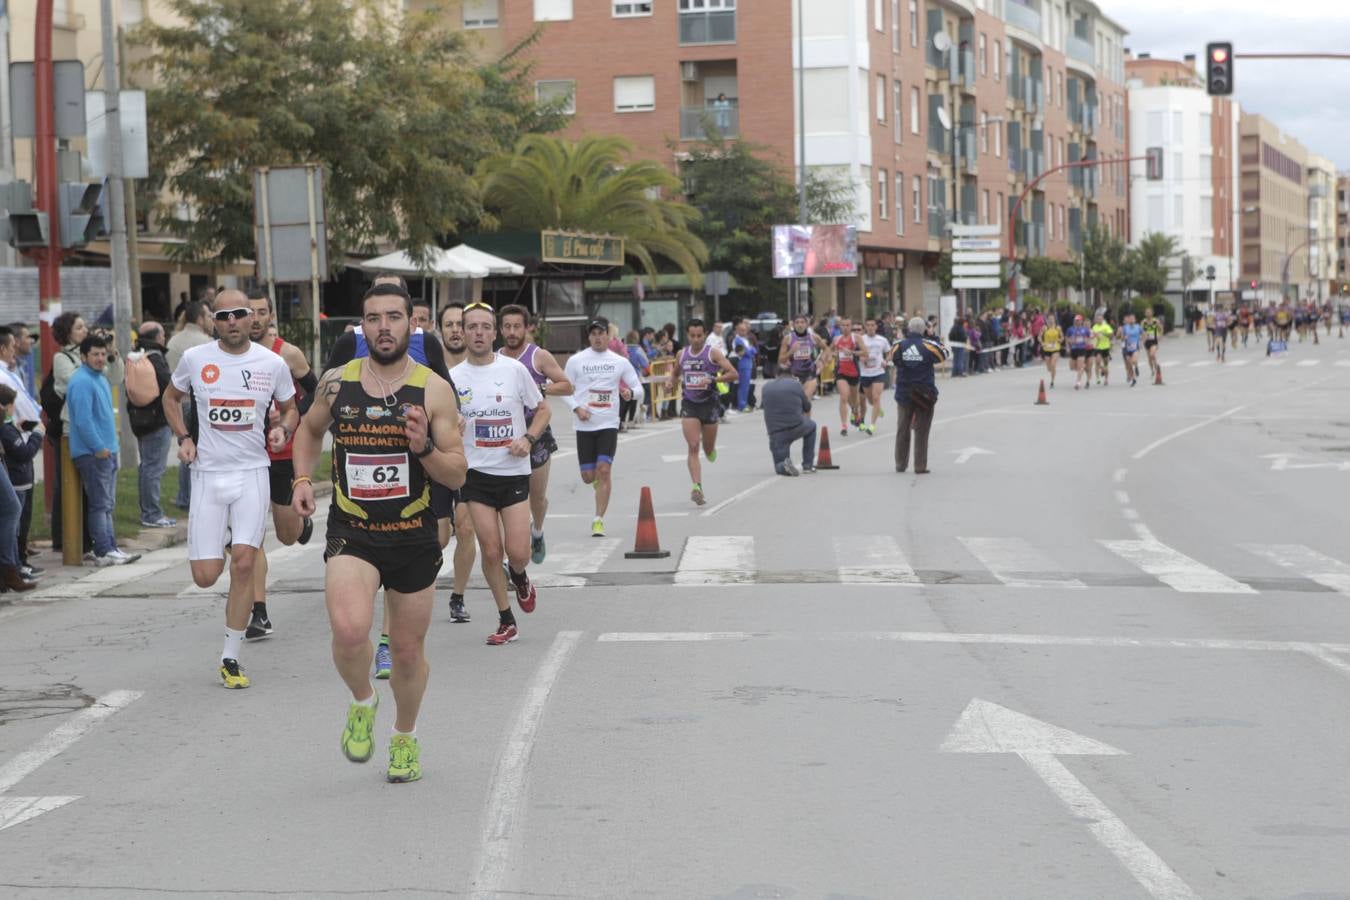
(899, 203)
(998, 60)
(133, 11)
(1178, 212)
(1178, 126)
(984, 131)
(1059, 87)
(998, 141)
(914, 26)
(879, 15)
(998, 209)
(707, 21)
(898, 114)
(984, 55)
(913, 110)
(1206, 127)
(553, 91)
(1061, 221)
(552, 10)
(1206, 213)
(883, 194)
(984, 208)
(895, 46)
(915, 194)
(881, 98)
(623, 9)
(634, 93)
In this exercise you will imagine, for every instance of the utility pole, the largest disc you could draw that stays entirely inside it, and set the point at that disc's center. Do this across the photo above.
(133, 246)
(48, 258)
(797, 301)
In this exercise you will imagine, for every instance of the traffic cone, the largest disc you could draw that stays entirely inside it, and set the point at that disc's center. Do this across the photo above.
(647, 545)
(1040, 396)
(1157, 375)
(823, 460)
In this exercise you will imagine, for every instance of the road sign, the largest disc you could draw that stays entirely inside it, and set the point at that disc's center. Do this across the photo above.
(68, 96)
(291, 234)
(975, 256)
(978, 283)
(961, 231)
(135, 154)
(976, 244)
(961, 271)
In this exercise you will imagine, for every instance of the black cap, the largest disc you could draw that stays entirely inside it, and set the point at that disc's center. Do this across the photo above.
(598, 323)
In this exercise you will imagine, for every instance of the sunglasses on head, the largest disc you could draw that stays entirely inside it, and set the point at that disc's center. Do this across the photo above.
(225, 315)
(480, 305)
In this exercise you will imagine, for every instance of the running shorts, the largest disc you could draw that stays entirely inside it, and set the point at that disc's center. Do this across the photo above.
(596, 447)
(866, 381)
(1150, 343)
(442, 501)
(280, 475)
(1077, 352)
(543, 449)
(806, 377)
(709, 412)
(496, 491)
(235, 500)
(848, 379)
(413, 568)
(1104, 352)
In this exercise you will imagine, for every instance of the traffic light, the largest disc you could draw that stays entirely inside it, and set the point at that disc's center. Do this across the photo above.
(25, 226)
(81, 213)
(1155, 163)
(1219, 69)
(1253, 284)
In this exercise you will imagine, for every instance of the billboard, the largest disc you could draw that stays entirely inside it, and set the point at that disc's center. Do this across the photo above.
(815, 251)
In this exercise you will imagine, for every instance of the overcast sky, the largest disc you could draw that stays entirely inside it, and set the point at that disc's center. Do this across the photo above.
(1308, 100)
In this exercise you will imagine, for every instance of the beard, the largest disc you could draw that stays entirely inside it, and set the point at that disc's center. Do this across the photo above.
(233, 341)
(385, 357)
(513, 342)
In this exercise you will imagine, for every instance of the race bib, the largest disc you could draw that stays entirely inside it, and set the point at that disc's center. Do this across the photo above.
(697, 381)
(845, 355)
(382, 476)
(802, 351)
(871, 362)
(231, 415)
(600, 399)
(489, 433)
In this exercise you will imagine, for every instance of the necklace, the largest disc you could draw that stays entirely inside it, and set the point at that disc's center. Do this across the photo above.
(387, 390)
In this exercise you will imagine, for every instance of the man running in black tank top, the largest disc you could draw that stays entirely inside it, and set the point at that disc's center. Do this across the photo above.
(395, 428)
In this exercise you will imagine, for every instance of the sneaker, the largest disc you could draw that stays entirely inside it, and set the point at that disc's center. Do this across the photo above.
(384, 662)
(119, 558)
(357, 744)
(843, 432)
(232, 674)
(306, 531)
(258, 627)
(808, 470)
(504, 634)
(697, 495)
(597, 527)
(32, 573)
(90, 557)
(403, 759)
(161, 522)
(526, 595)
(457, 611)
(712, 456)
(537, 549)
(788, 469)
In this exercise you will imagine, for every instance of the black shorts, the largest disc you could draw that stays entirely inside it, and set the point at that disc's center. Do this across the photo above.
(806, 377)
(1049, 353)
(709, 412)
(543, 449)
(442, 501)
(1126, 352)
(868, 380)
(848, 379)
(280, 474)
(1150, 343)
(596, 447)
(411, 569)
(496, 491)
(1104, 352)
(1077, 353)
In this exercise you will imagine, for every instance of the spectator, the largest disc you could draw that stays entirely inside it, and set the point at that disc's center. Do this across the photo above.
(11, 511)
(628, 409)
(715, 338)
(12, 376)
(68, 330)
(744, 352)
(974, 337)
(773, 342)
(21, 441)
(916, 393)
(148, 424)
(93, 446)
(196, 329)
(787, 418)
(957, 338)
(884, 324)
(25, 357)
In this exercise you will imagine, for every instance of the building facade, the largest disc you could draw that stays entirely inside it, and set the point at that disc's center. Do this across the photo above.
(1195, 201)
(1322, 251)
(1274, 208)
(1343, 232)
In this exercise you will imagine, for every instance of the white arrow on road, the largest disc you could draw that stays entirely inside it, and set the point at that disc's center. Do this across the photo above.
(986, 727)
(1280, 462)
(964, 456)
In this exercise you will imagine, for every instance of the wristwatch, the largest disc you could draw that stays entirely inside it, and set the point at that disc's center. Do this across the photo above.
(531, 438)
(183, 437)
(427, 450)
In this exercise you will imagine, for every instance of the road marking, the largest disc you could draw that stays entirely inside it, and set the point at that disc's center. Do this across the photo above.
(1176, 569)
(504, 817)
(1187, 430)
(1274, 362)
(1342, 363)
(1122, 498)
(1016, 563)
(1202, 362)
(989, 728)
(1237, 363)
(964, 456)
(1306, 562)
(16, 810)
(948, 637)
(1307, 363)
(1119, 475)
(674, 457)
(735, 498)
(882, 561)
(727, 559)
(573, 557)
(61, 737)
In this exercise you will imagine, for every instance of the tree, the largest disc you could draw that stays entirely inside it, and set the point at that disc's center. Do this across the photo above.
(591, 185)
(1050, 276)
(742, 193)
(1147, 263)
(397, 111)
(1103, 259)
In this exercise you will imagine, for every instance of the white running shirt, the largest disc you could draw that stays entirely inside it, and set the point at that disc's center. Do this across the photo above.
(872, 360)
(493, 399)
(597, 378)
(233, 392)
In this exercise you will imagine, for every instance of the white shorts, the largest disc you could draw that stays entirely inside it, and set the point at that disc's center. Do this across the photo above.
(239, 500)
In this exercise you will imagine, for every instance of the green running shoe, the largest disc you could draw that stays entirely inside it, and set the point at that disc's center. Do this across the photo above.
(403, 759)
(597, 527)
(357, 743)
(712, 455)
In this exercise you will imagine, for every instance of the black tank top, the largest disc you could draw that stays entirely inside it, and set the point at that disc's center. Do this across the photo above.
(381, 494)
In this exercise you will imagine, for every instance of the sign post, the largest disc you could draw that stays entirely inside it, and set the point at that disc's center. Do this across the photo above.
(291, 234)
(975, 259)
(715, 286)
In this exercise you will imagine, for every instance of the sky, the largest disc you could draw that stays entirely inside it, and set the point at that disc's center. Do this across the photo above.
(1308, 100)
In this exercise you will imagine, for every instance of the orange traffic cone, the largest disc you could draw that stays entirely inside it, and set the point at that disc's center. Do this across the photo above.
(1157, 375)
(823, 460)
(1040, 396)
(647, 545)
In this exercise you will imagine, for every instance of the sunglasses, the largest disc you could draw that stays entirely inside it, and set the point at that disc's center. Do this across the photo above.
(480, 305)
(225, 315)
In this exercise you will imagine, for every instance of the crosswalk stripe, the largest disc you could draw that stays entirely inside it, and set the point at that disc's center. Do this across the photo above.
(882, 561)
(709, 559)
(1342, 363)
(1237, 362)
(1202, 362)
(1308, 363)
(1307, 562)
(1176, 569)
(1274, 362)
(1016, 563)
(572, 558)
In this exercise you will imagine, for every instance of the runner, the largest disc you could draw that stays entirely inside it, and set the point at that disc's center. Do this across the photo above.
(600, 378)
(548, 376)
(466, 545)
(698, 369)
(1220, 333)
(1209, 329)
(1153, 329)
(1130, 334)
(845, 347)
(805, 353)
(394, 429)
(1079, 338)
(872, 372)
(290, 528)
(494, 392)
(1244, 320)
(1102, 333)
(233, 382)
(1052, 342)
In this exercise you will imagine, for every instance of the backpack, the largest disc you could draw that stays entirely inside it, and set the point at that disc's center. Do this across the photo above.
(142, 385)
(52, 402)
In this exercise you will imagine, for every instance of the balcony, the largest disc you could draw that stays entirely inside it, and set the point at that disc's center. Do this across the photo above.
(1080, 49)
(697, 121)
(708, 27)
(1023, 17)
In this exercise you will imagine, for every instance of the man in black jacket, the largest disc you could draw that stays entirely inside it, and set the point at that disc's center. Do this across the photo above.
(916, 393)
(153, 436)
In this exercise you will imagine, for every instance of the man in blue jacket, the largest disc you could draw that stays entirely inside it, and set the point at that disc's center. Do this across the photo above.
(93, 447)
(916, 392)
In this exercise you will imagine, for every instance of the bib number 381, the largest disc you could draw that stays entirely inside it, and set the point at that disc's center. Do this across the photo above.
(381, 476)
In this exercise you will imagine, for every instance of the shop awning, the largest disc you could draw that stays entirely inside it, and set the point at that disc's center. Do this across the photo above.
(439, 264)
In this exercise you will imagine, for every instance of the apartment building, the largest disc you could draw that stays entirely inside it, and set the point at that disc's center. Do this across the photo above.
(1196, 201)
(1274, 208)
(937, 111)
(1322, 251)
(1343, 230)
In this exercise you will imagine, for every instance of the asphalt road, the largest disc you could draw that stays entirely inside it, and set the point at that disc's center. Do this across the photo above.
(1108, 657)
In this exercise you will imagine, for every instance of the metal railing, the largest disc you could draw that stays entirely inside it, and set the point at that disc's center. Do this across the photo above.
(696, 121)
(1081, 50)
(1023, 17)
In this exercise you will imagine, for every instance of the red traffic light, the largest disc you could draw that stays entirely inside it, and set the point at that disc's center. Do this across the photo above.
(1219, 54)
(1253, 285)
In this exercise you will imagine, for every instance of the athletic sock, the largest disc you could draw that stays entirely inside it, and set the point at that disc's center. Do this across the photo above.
(536, 532)
(233, 641)
(506, 617)
(519, 579)
(384, 640)
(369, 701)
(397, 733)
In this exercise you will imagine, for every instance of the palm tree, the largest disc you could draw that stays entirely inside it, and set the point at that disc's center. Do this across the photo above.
(589, 185)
